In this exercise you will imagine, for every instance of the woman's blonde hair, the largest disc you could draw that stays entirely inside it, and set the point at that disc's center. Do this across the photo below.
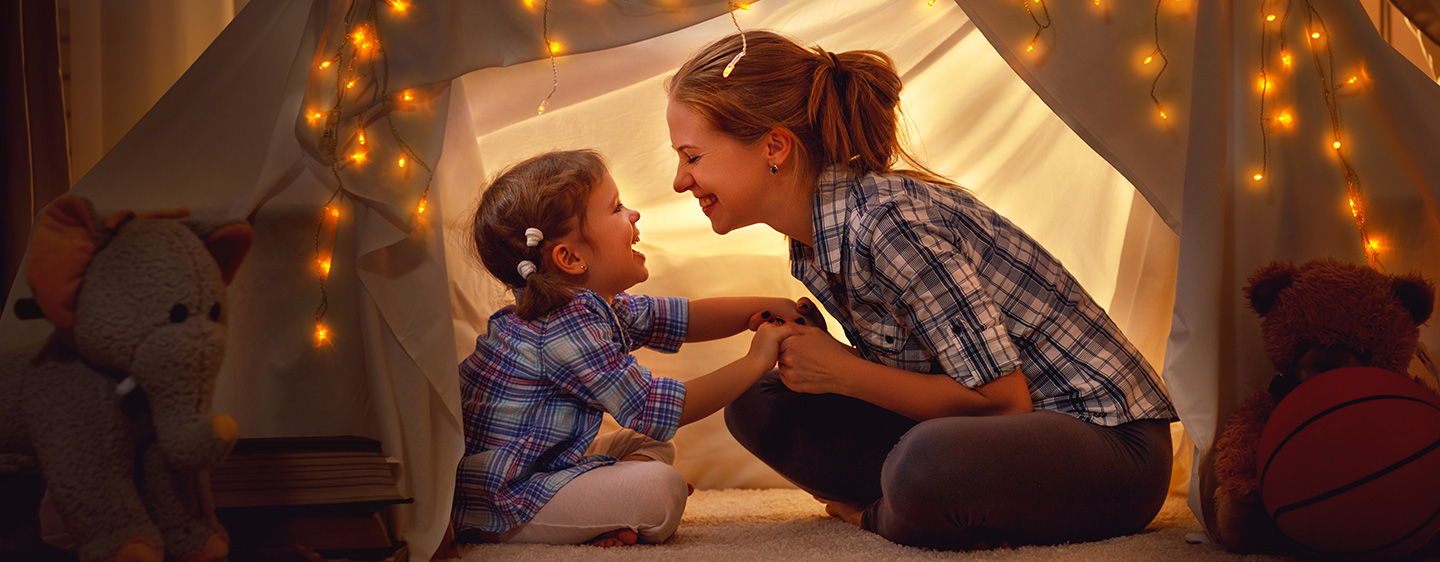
(843, 108)
(548, 192)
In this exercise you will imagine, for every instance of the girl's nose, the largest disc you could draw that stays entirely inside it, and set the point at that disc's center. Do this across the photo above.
(635, 217)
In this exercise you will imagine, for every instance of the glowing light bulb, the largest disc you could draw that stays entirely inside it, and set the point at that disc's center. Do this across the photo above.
(1270, 17)
(1315, 35)
(313, 117)
(358, 35)
(1259, 177)
(324, 65)
(731, 67)
(334, 211)
(1163, 115)
(362, 137)
(529, 3)
(1149, 58)
(1335, 145)
(1351, 80)
(324, 267)
(747, 6)
(1263, 83)
(358, 157)
(1285, 118)
(399, 5)
(1374, 245)
(1353, 211)
(401, 163)
(932, 3)
(1030, 47)
(554, 46)
(322, 334)
(406, 96)
(365, 46)
(350, 84)
(421, 207)
(1285, 58)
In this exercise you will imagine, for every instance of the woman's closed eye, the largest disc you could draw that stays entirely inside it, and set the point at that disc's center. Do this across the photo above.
(692, 159)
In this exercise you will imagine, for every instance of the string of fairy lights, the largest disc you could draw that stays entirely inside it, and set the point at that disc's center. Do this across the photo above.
(1272, 32)
(360, 72)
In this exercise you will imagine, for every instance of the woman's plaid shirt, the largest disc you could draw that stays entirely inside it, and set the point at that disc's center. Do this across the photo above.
(533, 394)
(928, 279)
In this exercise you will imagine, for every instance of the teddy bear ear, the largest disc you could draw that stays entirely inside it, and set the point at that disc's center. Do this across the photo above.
(228, 246)
(1266, 284)
(60, 251)
(1416, 294)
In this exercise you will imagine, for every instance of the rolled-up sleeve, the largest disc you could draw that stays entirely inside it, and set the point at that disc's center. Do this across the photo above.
(585, 363)
(939, 294)
(659, 323)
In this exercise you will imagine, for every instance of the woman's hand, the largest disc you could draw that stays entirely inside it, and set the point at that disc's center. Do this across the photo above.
(801, 311)
(769, 333)
(811, 361)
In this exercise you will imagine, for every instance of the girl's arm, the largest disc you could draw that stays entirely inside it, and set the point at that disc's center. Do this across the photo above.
(810, 362)
(708, 393)
(721, 317)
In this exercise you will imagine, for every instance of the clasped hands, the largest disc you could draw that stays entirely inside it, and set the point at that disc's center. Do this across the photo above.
(810, 360)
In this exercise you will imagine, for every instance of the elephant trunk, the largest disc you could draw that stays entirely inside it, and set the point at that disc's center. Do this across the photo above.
(180, 388)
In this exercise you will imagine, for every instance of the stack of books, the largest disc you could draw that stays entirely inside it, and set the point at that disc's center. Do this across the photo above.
(298, 497)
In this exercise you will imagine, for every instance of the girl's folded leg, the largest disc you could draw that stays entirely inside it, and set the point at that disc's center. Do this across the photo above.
(624, 442)
(645, 497)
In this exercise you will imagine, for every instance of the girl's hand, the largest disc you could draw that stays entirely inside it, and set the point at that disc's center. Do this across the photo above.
(765, 346)
(811, 361)
(801, 311)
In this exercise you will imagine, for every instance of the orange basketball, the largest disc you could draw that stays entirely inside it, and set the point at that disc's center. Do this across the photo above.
(1349, 464)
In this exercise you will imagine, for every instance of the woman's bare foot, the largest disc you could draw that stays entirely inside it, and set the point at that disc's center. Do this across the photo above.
(618, 537)
(843, 511)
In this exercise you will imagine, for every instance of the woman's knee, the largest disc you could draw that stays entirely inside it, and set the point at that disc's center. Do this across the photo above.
(752, 416)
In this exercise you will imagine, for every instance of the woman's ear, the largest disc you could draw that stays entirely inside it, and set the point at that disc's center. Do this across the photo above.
(567, 260)
(778, 145)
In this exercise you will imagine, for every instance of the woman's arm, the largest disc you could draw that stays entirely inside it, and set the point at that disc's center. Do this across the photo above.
(721, 317)
(810, 362)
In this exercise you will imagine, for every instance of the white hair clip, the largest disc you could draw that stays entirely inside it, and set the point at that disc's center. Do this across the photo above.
(533, 236)
(525, 268)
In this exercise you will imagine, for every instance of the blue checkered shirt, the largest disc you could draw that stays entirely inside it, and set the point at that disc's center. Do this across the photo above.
(930, 280)
(533, 394)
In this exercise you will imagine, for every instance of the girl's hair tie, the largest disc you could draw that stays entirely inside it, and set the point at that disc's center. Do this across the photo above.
(525, 268)
(533, 236)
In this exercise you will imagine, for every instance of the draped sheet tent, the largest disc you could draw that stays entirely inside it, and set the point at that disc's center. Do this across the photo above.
(1064, 139)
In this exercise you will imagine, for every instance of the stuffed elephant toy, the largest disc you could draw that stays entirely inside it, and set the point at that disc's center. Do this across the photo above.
(114, 408)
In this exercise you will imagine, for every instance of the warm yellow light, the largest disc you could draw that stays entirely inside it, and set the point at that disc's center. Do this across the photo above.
(554, 46)
(324, 267)
(1315, 35)
(334, 211)
(358, 157)
(1335, 145)
(421, 207)
(529, 3)
(402, 162)
(350, 84)
(747, 6)
(365, 46)
(324, 65)
(406, 96)
(1030, 47)
(313, 117)
(1263, 83)
(322, 334)
(1285, 118)
(358, 35)
(1149, 58)
(362, 137)
(1270, 17)
(932, 2)
(1163, 115)
(1259, 177)
(1351, 80)
(1374, 245)
(1285, 58)
(400, 5)
(1353, 211)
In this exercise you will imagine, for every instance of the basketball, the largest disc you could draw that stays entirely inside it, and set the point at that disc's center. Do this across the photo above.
(1349, 465)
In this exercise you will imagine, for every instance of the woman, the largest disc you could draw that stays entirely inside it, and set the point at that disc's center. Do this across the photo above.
(986, 399)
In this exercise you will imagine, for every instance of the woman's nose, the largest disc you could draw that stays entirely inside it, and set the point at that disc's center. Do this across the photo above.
(682, 182)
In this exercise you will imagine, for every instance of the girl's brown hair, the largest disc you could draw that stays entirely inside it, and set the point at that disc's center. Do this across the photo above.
(843, 108)
(548, 192)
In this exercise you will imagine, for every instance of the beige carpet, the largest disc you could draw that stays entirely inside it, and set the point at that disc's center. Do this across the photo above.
(786, 524)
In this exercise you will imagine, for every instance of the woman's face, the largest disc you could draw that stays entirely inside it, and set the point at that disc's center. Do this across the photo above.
(731, 181)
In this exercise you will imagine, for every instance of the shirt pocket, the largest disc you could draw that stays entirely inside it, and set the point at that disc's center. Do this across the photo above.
(883, 339)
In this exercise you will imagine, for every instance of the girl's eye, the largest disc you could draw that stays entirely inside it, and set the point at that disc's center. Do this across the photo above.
(619, 206)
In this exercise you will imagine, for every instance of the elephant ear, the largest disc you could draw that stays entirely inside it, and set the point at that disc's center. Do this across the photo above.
(228, 246)
(60, 251)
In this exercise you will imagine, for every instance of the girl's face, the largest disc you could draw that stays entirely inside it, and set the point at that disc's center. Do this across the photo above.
(732, 181)
(612, 263)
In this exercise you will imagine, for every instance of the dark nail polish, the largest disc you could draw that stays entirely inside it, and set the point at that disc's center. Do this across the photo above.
(765, 315)
(779, 320)
(800, 321)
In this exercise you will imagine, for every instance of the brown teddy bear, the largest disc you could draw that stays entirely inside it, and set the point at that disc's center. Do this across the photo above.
(1321, 315)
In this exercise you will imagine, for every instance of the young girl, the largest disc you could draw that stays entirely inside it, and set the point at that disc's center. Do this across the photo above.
(553, 228)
